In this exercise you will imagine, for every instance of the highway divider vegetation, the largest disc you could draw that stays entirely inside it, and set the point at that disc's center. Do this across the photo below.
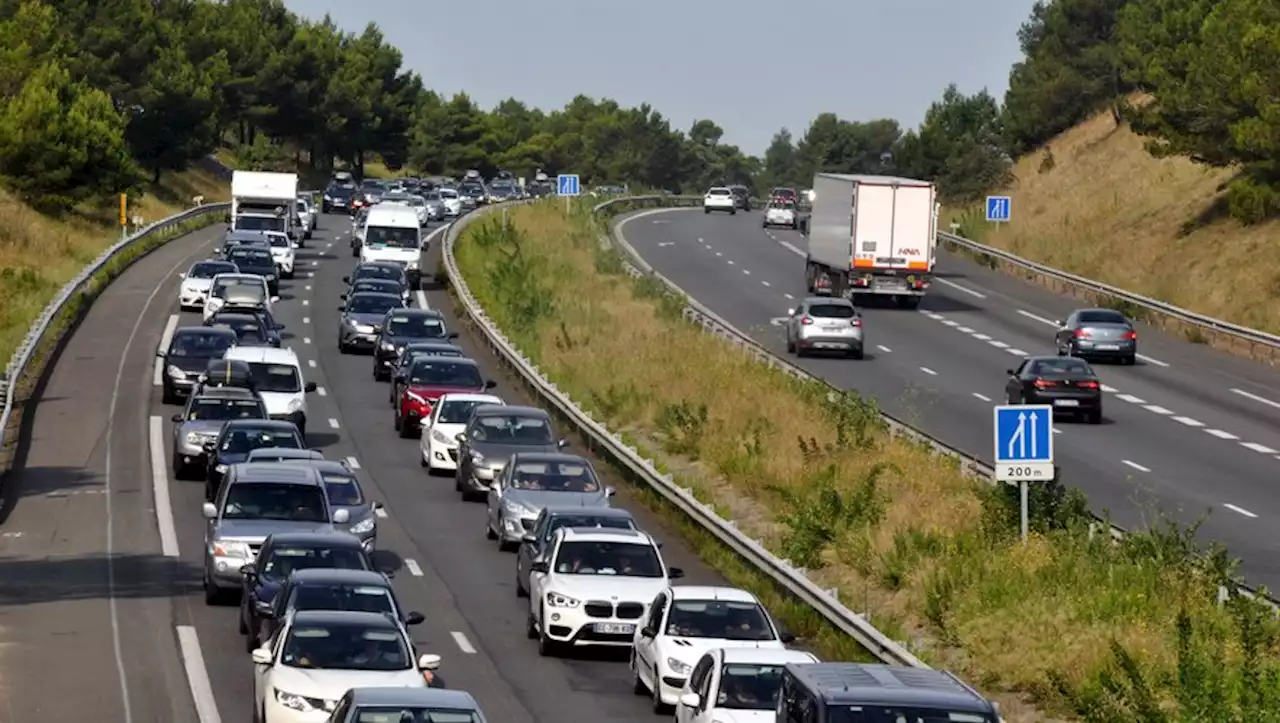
(1068, 624)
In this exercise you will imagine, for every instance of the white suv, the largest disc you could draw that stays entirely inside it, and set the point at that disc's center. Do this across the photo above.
(719, 199)
(780, 213)
(282, 252)
(594, 587)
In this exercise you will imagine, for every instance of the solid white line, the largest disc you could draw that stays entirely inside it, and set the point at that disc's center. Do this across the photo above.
(1241, 510)
(1221, 434)
(1109, 389)
(1256, 398)
(998, 344)
(1149, 360)
(1135, 465)
(333, 423)
(1189, 421)
(197, 675)
(1036, 317)
(311, 363)
(958, 287)
(1259, 448)
(1017, 352)
(884, 349)
(381, 512)
(157, 377)
(982, 337)
(1157, 409)
(306, 340)
(965, 329)
(321, 392)
(788, 246)
(353, 463)
(929, 371)
(463, 644)
(413, 568)
(1131, 399)
(421, 297)
(160, 489)
(983, 397)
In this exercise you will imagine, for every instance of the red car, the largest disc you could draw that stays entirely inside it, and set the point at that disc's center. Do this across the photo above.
(788, 195)
(429, 378)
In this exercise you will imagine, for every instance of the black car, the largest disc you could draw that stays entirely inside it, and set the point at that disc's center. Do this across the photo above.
(279, 557)
(250, 329)
(190, 350)
(535, 542)
(237, 439)
(413, 351)
(257, 261)
(382, 270)
(226, 373)
(1067, 384)
(741, 197)
(337, 197)
(335, 590)
(375, 286)
(235, 239)
(402, 327)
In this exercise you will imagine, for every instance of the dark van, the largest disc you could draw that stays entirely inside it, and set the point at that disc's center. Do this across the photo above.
(858, 693)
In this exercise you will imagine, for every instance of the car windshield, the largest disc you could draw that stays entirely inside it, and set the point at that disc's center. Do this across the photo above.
(724, 619)
(413, 357)
(199, 344)
(345, 647)
(254, 258)
(431, 196)
(247, 328)
(554, 477)
(627, 559)
(208, 270)
(343, 489)
(1070, 367)
(413, 714)
(337, 596)
(471, 189)
(279, 242)
(589, 520)
(448, 193)
(375, 286)
(416, 201)
(1102, 317)
(271, 501)
(392, 236)
(459, 411)
(285, 559)
(901, 714)
(282, 378)
(221, 286)
(832, 311)
(750, 687)
(259, 223)
(441, 372)
(417, 326)
(243, 440)
(719, 192)
(371, 304)
(207, 409)
(512, 429)
(377, 272)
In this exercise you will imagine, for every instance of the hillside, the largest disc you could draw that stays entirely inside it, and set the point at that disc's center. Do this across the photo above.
(1109, 211)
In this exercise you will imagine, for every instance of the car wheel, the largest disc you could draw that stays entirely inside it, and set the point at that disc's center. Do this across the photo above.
(424, 459)
(733, 212)
(168, 395)
(406, 429)
(547, 647)
(396, 422)
(791, 346)
(707, 211)
(658, 706)
(1095, 416)
(531, 627)
(489, 534)
(1130, 360)
(637, 685)
(342, 347)
(520, 591)
(244, 627)
(179, 469)
(856, 353)
(212, 595)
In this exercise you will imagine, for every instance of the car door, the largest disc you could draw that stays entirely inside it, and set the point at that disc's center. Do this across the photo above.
(493, 499)
(537, 580)
(528, 551)
(262, 672)
(645, 644)
(1063, 335)
(701, 682)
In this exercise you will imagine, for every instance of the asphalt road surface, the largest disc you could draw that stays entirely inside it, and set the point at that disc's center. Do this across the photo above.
(1187, 429)
(94, 616)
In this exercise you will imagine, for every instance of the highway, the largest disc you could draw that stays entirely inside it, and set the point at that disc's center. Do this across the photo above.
(98, 613)
(1187, 429)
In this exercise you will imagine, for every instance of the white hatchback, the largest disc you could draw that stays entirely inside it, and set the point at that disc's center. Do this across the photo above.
(439, 446)
(719, 198)
(282, 252)
(198, 279)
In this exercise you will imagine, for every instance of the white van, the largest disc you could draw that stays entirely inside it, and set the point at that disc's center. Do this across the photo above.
(391, 233)
(277, 377)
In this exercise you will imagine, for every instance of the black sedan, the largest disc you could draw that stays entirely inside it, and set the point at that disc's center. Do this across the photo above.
(1097, 334)
(250, 329)
(1067, 384)
(400, 328)
(258, 261)
(375, 286)
(190, 350)
(414, 351)
(238, 438)
(335, 589)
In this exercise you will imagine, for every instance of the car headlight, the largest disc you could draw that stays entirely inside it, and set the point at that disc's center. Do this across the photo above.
(442, 438)
(193, 438)
(227, 548)
(556, 600)
(416, 397)
(295, 406)
(327, 197)
(363, 328)
(388, 346)
(413, 265)
(515, 509)
(176, 373)
(293, 701)
(679, 667)
(364, 527)
(220, 469)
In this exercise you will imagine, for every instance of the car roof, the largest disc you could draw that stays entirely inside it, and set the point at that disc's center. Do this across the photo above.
(875, 684)
(259, 424)
(470, 397)
(604, 534)
(766, 656)
(329, 538)
(270, 472)
(620, 513)
(429, 345)
(344, 617)
(429, 313)
(200, 330)
(414, 697)
(505, 410)
(828, 300)
(330, 466)
(339, 576)
(225, 393)
(712, 592)
(550, 457)
(374, 295)
(262, 354)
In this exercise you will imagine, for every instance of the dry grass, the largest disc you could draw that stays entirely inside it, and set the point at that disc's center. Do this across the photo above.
(1109, 211)
(39, 254)
(917, 546)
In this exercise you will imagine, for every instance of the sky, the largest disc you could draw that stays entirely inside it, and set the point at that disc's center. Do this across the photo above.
(752, 66)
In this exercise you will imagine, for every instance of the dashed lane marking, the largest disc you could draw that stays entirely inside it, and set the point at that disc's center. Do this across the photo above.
(1157, 409)
(766, 283)
(353, 463)
(311, 363)
(1131, 399)
(983, 397)
(321, 392)
(333, 423)
(744, 271)
(412, 566)
(306, 320)
(998, 344)
(306, 340)
(1135, 465)
(789, 297)
(958, 287)
(1221, 434)
(1188, 421)
(884, 349)
(1241, 510)
(929, 371)
(1259, 448)
(1017, 352)
(463, 644)
(306, 302)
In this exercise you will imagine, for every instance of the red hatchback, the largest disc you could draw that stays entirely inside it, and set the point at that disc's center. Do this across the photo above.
(427, 380)
(788, 195)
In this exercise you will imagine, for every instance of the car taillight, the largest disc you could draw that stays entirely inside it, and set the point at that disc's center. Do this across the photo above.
(1045, 383)
(855, 322)
(1087, 385)
(1130, 336)
(1083, 333)
(806, 321)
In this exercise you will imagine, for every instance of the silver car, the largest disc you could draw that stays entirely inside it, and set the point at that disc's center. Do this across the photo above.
(256, 500)
(361, 320)
(202, 420)
(1097, 334)
(824, 324)
(435, 205)
(493, 434)
(533, 480)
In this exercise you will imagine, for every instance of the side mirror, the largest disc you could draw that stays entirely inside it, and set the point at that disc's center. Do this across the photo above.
(208, 510)
(414, 619)
(342, 307)
(182, 275)
(343, 297)
(541, 566)
(1060, 323)
(490, 384)
(674, 573)
(648, 632)
(227, 218)
(429, 662)
(341, 517)
(451, 335)
(248, 570)
(281, 327)
(529, 539)
(787, 638)
(610, 491)
(691, 700)
(274, 299)
(161, 353)
(176, 419)
(346, 279)
(562, 443)
(460, 436)
(310, 387)
(426, 423)
(1009, 372)
(262, 656)
(790, 312)
(375, 505)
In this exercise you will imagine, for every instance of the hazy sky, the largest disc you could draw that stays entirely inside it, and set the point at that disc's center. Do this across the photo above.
(753, 66)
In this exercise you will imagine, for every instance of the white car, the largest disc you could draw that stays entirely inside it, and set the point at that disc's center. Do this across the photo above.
(685, 622)
(419, 206)
(277, 375)
(198, 279)
(282, 252)
(780, 214)
(307, 214)
(306, 668)
(236, 284)
(736, 685)
(452, 202)
(439, 445)
(719, 199)
(594, 587)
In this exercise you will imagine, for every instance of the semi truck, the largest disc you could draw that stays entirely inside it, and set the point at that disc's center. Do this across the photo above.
(871, 236)
(263, 201)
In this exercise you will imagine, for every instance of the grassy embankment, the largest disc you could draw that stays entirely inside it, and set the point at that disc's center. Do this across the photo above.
(933, 557)
(1107, 210)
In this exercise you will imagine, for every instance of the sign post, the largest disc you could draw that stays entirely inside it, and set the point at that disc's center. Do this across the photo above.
(1024, 449)
(999, 209)
(124, 215)
(567, 186)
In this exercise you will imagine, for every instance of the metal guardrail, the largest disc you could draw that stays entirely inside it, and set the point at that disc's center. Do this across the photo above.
(20, 365)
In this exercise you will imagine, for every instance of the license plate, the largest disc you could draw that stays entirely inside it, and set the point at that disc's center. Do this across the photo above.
(1108, 347)
(614, 628)
(836, 329)
(1065, 403)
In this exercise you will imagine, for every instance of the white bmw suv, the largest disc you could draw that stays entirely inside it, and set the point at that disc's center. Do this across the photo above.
(594, 587)
(719, 198)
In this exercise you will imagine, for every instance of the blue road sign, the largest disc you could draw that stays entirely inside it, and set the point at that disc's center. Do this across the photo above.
(1024, 443)
(567, 184)
(999, 209)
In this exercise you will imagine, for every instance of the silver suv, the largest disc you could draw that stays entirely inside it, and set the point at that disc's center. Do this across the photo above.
(825, 324)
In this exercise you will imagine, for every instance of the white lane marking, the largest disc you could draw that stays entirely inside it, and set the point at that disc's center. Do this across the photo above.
(333, 423)
(1259, 448)
(1110, 389)
(700, 239)
(1256, 398)
(748, 273)
(982, 337)
(160, 489)
(1057, 431)
(157, 377)
(1149, 360)
(1157, 409)
(958, 287)
(306, 340)
(934, 316)
(308, 287)
(421, 297)
(884, 349)
(353, 463)
(998, 344)
(965, 329)
(792, 248)
(730, 261)
(720, 254)
(311, 363)
(197, 675)
(315, 263)
(321, 392)
(766, 283)
(1189, 421)
(306, 302)
(463, 644)
(1221, 434)
(1036, 317)
(929, 371)
(1241, 510)
(306, 320)
(1131, 399)
(413, 568)
(789, 296)
(1017, 352)
(1135, 465)
(983, 397)
(951, 323)
(380, 512)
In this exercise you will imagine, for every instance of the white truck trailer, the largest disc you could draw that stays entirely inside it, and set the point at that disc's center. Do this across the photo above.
(263, 201)
(872, 235)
